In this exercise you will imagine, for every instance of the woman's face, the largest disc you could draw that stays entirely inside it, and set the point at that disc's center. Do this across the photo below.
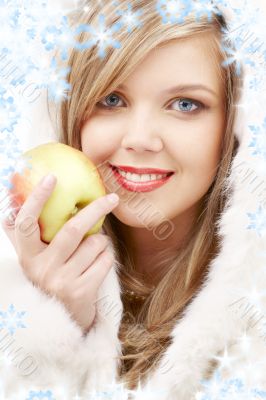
(168, 114)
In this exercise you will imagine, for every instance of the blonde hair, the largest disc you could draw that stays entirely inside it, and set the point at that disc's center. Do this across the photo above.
(145, 329)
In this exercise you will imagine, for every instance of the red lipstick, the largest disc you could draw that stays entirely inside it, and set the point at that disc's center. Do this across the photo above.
(144, 186)
(135, 170)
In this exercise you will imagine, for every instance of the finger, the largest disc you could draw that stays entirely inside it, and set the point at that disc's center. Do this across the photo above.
(86, 254)
(27, 230)
(71, 234)
(99, 269)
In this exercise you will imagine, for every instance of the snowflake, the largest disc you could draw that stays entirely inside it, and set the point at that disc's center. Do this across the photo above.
(101, 36)
(238, 55)
(253, 18)
(205, 7)
(48, 395)
(10, 157)
(19, 51)
(5, 182)
(11, 319)
(3, 95)
(225, 360)
(130, 19)
(60, 36)
(9, 145)
(54, 79)
(255, 83)
(231, 389)
(245, 42)
(258, 220)
(8, 116)
(173, 11)
(232, 31)
(258, 140)
(49, 37)
(115, 391)
(9, 13)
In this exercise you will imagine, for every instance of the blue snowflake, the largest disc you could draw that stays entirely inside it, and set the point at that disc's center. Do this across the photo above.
(130, 19)
(217, 388)
(48, 395)
(259, 394)
(101, 36)
(5, 182)
(9, 13)
(252, 18)
(255, 83)
(9, 145)
(258, 220)
(117, 390)
(49, 37)
(54, 79)
(204, 8)
(258, 140)
(12, 319)
(173, 11)
(8, 115)
(61, 37)
(4, 99)
(31, 33)
(238, 54)
(9, 152)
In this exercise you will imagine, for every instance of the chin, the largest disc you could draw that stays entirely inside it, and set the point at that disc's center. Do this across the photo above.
(143, 217)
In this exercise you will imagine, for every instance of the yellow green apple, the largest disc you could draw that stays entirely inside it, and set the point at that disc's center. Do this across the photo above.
(78, 184)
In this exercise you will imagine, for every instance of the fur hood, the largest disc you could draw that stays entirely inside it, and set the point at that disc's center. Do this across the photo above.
(219, 345)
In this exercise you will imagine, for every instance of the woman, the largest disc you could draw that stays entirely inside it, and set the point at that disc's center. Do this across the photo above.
(163, 310)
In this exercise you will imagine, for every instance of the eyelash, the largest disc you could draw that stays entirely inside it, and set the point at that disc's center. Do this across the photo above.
(200, 106)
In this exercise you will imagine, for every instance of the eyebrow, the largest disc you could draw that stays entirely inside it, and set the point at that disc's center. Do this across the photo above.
(180, 88)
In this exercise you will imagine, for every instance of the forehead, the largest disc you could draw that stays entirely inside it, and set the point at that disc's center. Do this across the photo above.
(191, 61)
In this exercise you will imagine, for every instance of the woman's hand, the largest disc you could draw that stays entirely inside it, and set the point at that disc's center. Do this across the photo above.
(70, 268)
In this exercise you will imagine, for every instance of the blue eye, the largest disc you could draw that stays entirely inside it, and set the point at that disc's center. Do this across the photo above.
(187, 105)
(111, 100)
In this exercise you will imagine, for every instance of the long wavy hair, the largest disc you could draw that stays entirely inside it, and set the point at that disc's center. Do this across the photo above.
(145, 329)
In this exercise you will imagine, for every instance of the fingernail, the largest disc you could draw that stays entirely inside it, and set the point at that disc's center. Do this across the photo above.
(48, 181)
(113, 198)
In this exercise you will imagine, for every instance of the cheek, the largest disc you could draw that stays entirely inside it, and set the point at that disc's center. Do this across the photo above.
(198, 149)
(98, 140)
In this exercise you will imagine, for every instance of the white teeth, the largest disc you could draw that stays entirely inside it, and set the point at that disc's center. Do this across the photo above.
(144, 177)
(132, 177)
(140, 177)
(123, 173)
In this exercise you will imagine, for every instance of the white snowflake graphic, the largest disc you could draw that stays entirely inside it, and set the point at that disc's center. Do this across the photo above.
(258, 140)
(233, 389)
(100, 36)
(258, 220)
(130, 19)
(174, 11)
(40, 395)
(12, 319)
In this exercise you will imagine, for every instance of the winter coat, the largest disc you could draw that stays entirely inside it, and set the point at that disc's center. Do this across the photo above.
(218, 349)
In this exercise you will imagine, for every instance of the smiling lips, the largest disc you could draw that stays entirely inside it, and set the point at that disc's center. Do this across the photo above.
(136, 170)
(140, 182)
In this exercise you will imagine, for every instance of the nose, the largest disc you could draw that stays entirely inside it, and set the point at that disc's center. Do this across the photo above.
(140, 135)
